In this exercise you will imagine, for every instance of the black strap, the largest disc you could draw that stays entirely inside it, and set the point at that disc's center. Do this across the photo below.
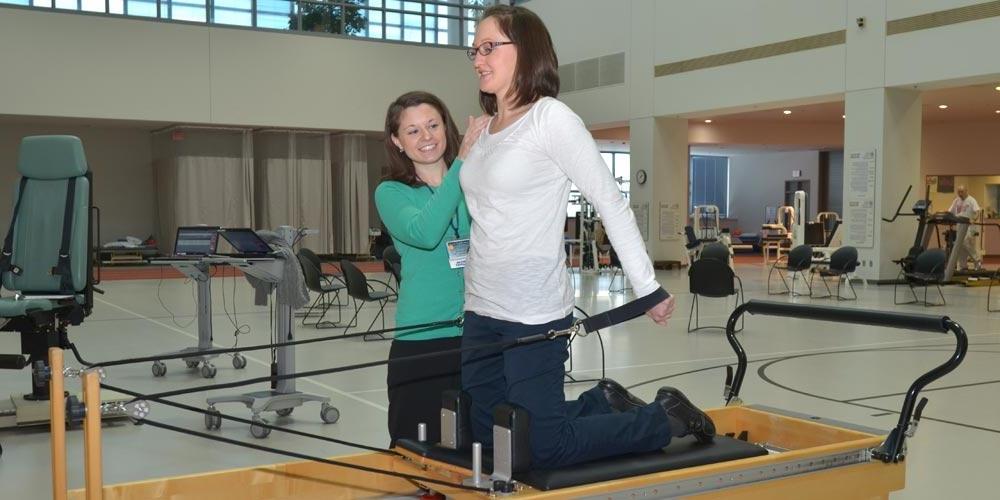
(8, 241)
(63, 268)
(625, 312)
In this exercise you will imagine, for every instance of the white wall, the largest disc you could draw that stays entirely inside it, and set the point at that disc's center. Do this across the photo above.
(74, 65)
(120, 159)
(757, 180)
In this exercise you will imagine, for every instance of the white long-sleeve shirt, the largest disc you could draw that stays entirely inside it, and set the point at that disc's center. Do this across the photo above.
(517, 185)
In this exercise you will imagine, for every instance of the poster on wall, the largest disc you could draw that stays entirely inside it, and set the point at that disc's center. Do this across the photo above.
(670, 222)
(946, 183)
(641, 211)
(859, 199)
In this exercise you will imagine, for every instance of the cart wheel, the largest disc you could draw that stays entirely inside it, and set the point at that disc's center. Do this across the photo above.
(159, 369)
(213, 419)
(191, 364)
(284, 412)
(258, 431)
(208, 370)
(329, 414)
(239, 362)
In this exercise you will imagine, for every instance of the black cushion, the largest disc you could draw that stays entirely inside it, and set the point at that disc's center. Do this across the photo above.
(680, 454)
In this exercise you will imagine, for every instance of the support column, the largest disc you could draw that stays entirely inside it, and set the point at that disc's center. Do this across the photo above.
(888, 122)
(660, 148)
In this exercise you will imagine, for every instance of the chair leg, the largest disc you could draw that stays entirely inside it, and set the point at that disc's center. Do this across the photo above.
(989, 293)
(381, 312)
(357, 310)
(780, 275)
(826, 284)
(850, 286)
(694, 308)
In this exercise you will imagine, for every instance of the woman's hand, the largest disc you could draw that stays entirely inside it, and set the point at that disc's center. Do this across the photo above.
(661, 312)
(472, 133)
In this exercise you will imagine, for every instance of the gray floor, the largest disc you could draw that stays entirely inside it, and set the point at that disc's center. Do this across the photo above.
(824, 365)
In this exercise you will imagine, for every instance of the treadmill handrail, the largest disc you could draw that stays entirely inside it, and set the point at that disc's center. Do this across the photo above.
(892, 449)
(899, 209)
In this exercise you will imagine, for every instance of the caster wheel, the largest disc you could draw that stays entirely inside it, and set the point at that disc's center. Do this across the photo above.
(239, 362)
(257, 431)
(284, 412)
(208, 371)
(159, 369)
(191, 364)
(213, 419)
(329, 414)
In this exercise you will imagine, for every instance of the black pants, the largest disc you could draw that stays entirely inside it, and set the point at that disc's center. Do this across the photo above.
(415, 387)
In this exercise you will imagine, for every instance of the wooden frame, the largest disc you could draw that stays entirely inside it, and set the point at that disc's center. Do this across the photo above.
(776, 475)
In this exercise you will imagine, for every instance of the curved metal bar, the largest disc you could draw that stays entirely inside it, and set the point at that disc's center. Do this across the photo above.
(892, 450)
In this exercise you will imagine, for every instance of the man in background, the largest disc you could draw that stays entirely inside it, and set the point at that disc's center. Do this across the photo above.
(967, 206)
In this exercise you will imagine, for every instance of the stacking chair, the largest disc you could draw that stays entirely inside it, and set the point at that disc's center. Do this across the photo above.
(693, 244)
(309, 254)
(393, 264)
(711, 276)
(928, 269)
(362, 292)
(798, 261)
(323, 286)
(46, 261)
(843, 262)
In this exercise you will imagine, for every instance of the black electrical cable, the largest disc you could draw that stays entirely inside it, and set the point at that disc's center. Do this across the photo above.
(303, 456)
(173, 318)
(600, 339)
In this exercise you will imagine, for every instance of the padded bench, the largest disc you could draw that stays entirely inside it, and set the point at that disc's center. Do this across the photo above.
(681, 453)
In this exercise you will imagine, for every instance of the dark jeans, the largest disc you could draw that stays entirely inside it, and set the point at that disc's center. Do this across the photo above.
(415, 387)
(531, 376)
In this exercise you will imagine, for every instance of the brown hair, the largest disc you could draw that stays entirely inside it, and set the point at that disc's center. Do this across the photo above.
(401, 166)
(536, 74)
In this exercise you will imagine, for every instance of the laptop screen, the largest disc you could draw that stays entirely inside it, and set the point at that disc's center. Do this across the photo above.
(196, 240)
(246, 241)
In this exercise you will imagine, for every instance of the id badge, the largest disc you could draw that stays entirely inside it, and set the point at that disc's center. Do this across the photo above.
(458, 251)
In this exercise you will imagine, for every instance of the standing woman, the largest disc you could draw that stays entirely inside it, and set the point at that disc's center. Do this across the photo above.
(517, 182)
(421, 205)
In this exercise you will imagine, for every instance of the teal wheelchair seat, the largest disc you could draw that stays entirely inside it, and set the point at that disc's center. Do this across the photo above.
(46, 258)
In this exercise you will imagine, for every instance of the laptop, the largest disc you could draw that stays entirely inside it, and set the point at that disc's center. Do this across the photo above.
(246, 243)
(194, 243)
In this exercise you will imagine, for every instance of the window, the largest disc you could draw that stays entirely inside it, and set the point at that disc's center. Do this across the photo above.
(709, 182)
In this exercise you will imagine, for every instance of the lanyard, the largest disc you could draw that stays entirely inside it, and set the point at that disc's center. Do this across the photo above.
(453, 223)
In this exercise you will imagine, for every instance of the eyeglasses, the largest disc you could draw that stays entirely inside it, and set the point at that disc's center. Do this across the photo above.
(484, 49)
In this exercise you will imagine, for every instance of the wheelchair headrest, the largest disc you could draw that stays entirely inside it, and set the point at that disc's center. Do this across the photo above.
(50, 157)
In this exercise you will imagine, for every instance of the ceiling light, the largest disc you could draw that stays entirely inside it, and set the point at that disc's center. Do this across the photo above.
(787, 111)
(843, 116)
(708, 121)
(997, 87)
(942, 106)
(997, 111)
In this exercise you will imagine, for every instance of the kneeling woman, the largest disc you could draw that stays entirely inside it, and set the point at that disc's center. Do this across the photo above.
(421, 205)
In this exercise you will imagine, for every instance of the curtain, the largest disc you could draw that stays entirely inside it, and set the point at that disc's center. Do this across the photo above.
(294, 184)
(203, 176)
(350, 167)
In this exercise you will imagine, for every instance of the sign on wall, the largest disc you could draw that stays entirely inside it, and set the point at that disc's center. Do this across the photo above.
(641, 211)
(670, 222)
(859, 199)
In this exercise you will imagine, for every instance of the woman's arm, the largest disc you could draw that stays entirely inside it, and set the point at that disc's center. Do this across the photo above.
(421, 226)
(572, 148)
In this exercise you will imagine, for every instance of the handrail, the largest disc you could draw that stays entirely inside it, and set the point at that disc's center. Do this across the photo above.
(892, 449)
